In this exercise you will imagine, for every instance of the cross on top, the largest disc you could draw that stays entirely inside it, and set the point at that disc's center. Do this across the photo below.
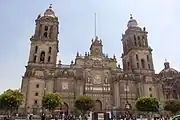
(131, 17)
(50, 6)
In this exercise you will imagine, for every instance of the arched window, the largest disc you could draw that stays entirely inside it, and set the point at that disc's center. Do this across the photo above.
(147, 57)
(137, 58)
(46, 28)
(34, 59)
(138, 38)
(49, 58)
(128, 65)
(137, 65)
(135, 41)
(42, 57)
(36, 49)
(45, 34)
(50, 49)
(142, 63)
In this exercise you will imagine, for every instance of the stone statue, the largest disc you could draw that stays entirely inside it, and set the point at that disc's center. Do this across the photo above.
(106, 78)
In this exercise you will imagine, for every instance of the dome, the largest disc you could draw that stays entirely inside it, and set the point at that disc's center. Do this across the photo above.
(132, 22)
(49, 12)
(168, 71)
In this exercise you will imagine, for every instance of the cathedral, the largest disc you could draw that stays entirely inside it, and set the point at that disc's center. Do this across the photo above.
(94, 74)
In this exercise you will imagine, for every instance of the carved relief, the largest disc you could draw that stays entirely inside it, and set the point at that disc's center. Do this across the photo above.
(65, 85)
(39, 74)
(97, 79)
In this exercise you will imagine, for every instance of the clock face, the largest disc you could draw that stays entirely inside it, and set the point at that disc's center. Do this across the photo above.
(97, 79)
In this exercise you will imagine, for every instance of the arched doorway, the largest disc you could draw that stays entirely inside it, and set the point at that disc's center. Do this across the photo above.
(98, 105)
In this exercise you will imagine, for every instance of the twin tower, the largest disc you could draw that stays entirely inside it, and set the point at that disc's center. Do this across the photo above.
(136, 57)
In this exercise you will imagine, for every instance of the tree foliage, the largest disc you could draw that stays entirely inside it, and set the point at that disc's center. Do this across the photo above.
(52, 100)
(172, 106)
(84, 104)
(147, 104)
(11, 99)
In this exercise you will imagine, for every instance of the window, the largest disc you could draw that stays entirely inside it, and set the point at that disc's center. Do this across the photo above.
(139, 42)
(147, 57)
(35, 101)
(135, 41)
(37, 86)
(150, 95)
(50, 49)
(137, 58)
(34, 60)
(149, 66)
(138, 38)
(174, 94)
(42, 57)
(142, 37)
(36, 94)
(150, 89)
(46, 28)
(137, 65)
(49, 58)
(45, 34)
(36, 49)
(128, 65)
(142, 63)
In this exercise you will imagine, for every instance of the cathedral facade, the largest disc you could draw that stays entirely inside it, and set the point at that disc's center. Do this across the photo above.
(94, 74)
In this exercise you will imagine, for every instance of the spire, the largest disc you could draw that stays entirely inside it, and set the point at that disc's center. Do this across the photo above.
(95, 25)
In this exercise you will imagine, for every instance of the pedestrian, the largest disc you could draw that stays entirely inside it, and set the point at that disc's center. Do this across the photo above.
(30, 117)
(43, 117)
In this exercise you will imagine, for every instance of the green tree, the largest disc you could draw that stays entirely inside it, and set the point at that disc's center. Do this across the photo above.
(11, 99)
(84, 104)
(52, 100)
(172, 105)
(147, 104)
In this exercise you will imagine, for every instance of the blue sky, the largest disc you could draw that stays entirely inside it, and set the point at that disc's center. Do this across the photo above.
(160, 17)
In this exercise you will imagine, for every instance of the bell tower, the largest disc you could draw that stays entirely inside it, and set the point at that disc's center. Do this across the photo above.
(96, 47)
(42, 61)
(44, 42)
(137, 55)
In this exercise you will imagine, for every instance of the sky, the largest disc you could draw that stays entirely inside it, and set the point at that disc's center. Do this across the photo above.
(160, 17)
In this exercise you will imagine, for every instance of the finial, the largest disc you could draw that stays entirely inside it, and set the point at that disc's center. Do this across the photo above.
(165, 60)
(50, 6)
(72, 62)
(77, 55)
(114, 56)
(131, 17)
(92, 40)
(96, 38)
